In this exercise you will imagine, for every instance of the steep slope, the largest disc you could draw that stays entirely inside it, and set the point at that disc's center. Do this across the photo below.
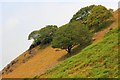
(99, 35)
(97, 60)
(37, 61)
(43, 60)
(19, 60)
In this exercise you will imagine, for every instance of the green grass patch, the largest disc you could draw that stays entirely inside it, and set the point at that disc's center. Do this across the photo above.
(100, 60)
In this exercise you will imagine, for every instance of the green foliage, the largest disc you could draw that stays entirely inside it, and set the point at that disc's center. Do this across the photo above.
(99, 60)
(69, 35)
(75, 32)
(99, 16)
(33, 35)
(82, 14)
(94, 17)
(46, 33)
(42, 36)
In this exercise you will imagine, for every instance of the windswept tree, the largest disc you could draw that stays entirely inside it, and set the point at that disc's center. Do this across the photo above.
(46, 33)
(42, 36)
(69, 35)
(34, 35)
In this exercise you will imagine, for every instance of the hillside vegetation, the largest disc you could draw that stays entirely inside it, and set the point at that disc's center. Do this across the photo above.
(91, 38)
(97, 60)
(78, 31)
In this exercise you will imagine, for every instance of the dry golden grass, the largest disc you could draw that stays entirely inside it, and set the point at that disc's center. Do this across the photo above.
(38, 64)
(45, 59)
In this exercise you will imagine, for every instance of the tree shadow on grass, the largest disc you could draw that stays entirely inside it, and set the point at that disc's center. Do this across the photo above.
(74, 51)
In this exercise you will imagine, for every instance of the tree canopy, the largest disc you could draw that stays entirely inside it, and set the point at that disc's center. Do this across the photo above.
(77, 32)
(69, 35)
(82, 14)
(33, 35)
(94, 17)
(46, 33)
(42, 36)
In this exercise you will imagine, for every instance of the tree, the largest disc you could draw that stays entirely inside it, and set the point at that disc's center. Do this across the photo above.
(34, 35)
(46, 33)
(95, 17)
(99, 18)
(82, 14)
(69, 35)
(42, 36)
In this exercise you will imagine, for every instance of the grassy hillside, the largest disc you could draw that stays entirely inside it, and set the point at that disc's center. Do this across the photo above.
(97, 60)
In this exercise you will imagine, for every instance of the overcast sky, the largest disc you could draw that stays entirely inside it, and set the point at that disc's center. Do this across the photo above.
(19, 17)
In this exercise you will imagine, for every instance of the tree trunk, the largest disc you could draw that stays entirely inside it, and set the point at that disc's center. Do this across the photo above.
(69, 49)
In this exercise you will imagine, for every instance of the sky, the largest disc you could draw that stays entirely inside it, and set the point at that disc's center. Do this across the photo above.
(19, 17)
